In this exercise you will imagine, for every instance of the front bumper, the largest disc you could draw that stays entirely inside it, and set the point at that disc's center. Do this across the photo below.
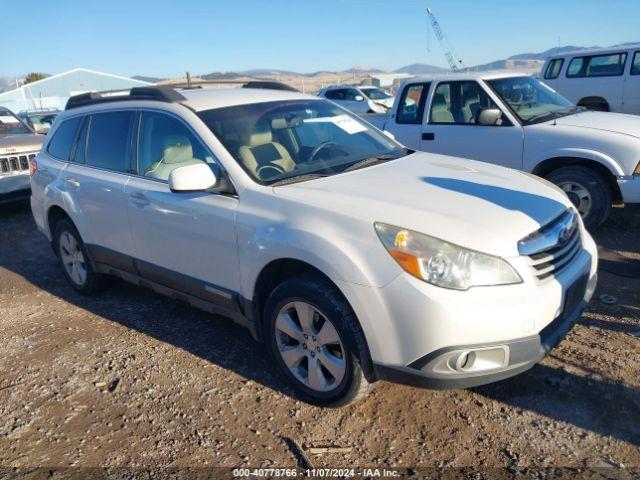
(414, 329)
(14, 182)
(630, 188)
(521, 355)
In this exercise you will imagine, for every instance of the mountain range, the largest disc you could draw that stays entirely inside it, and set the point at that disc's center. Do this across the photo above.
(528, 62)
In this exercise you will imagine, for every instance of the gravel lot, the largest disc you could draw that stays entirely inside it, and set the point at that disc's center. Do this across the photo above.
(133, 379)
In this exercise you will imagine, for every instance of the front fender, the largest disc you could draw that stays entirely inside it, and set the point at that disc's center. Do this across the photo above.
(343, 259)
(602, 158)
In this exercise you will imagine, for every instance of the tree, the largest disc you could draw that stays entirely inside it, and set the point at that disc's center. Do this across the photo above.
(33, 77)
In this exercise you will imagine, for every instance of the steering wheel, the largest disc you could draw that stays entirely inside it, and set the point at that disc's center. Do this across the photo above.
(269, 170)
(318, 148)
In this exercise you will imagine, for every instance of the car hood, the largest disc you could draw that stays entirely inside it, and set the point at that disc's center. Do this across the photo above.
(472, 204)
(607, 121)
(23, 142)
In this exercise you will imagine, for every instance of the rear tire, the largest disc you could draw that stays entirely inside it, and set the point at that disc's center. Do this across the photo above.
(74, 259)
(587, 190)
(323, 355)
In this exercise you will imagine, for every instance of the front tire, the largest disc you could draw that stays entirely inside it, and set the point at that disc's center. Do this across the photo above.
(587, 190)
(74, 260)
(314, 338)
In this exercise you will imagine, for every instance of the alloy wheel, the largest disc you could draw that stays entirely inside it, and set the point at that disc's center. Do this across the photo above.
(73, 258)
(310, 346)
(579, 196)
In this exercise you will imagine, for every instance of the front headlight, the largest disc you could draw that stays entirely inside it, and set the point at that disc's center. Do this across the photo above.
(442, 263)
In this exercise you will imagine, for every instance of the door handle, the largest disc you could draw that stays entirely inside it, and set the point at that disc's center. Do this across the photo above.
(73, 182)
(139, 199)
(429, 136)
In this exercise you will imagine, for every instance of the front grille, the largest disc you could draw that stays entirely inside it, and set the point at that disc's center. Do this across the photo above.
(15, 163)
(552, 248)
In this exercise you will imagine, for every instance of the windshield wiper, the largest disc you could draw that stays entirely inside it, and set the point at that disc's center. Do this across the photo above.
(298, 178)
(369, 161)
(556, 114)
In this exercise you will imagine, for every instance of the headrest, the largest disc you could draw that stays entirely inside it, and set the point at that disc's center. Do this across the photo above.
(260, 135)
(439, 100)
(177, 149)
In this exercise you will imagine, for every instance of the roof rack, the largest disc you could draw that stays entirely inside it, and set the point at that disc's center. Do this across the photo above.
(269, 85)
(160, 94)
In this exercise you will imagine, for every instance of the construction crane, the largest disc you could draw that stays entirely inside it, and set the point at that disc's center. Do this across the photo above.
(449, 52)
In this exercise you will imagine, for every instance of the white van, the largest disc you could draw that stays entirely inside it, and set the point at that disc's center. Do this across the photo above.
(603, 79)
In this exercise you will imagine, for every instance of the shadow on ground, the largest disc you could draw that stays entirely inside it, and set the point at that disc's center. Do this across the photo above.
(547, 391)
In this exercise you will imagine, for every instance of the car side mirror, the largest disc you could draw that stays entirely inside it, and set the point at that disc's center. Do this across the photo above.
(197, 177)
(489, 117)
(359, 98)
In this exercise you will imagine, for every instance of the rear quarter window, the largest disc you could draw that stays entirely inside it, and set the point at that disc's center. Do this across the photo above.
(63, 139)
(411, 104)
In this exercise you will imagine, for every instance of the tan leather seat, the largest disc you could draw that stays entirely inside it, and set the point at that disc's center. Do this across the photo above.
(178, 152)
(440, 112)
(263, 157)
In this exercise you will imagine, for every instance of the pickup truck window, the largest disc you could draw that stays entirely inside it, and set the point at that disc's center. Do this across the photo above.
(609, 65)
(553, 69)
(164, 144)
(531, 100)
(412, 101)
(274, 141)
(457, 103)
(635, 67)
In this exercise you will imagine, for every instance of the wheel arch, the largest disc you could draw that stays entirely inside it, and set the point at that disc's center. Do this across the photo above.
(604, 168)
(594, 100)
(55, 213)
(279, 270)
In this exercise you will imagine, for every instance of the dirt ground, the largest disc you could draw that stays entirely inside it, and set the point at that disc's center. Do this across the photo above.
(132, 379)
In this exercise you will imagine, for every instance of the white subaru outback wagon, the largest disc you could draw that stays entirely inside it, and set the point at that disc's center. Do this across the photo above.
(353, 258)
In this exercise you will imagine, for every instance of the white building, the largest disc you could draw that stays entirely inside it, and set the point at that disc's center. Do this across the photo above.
(54, 91)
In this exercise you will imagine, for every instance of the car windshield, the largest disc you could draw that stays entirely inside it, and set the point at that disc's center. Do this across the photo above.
(376, 93)
(10, 124)
(531, 100)
(289, 141)
(41, 122)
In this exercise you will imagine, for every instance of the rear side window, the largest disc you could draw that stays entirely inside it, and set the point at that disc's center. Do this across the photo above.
(553, 69)
(411, 104)
(610, 65)
(338, 94)
(635, 67)
(109, 141)
(63, 139)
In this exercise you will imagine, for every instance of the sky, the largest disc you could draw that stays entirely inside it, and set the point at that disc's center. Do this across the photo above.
(163, 38)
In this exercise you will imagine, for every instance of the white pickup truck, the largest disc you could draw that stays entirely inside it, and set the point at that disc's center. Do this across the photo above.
(516, 121)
